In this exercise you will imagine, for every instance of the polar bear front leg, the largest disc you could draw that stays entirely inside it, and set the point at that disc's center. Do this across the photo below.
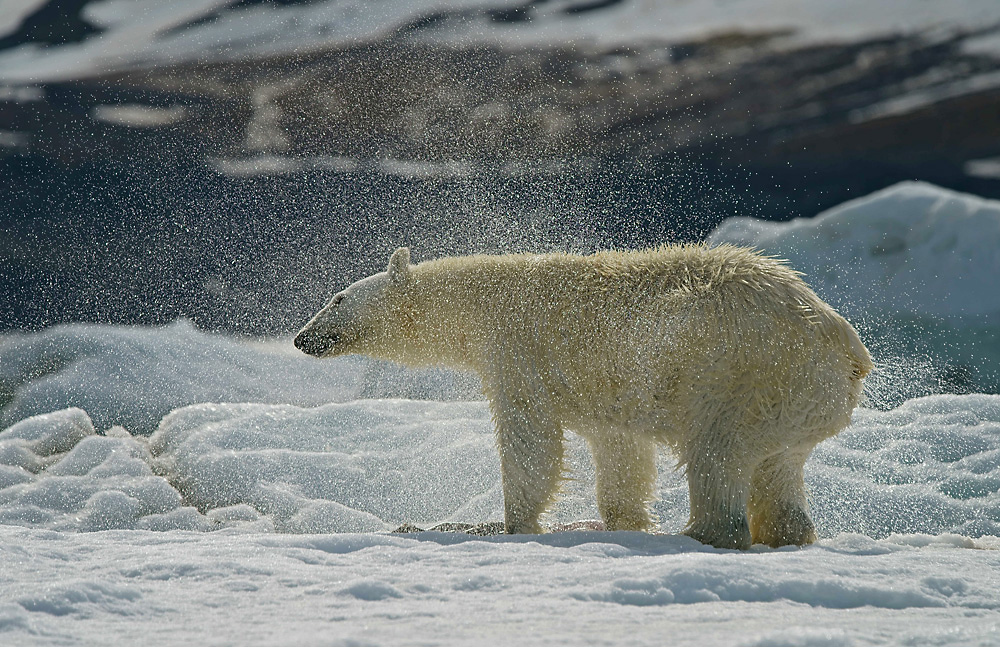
(531, 463)
(626, 479)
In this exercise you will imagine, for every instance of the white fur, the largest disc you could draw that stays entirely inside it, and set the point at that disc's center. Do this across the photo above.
(723, 354)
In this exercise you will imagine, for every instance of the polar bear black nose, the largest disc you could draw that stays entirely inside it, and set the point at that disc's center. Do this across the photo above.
(314, 344)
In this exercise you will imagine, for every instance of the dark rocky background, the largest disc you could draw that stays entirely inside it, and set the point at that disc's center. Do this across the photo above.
(240, 192)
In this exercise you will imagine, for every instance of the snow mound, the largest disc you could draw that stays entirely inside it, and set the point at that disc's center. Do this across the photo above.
(349, 467)
(929, 467)
(56, 473)
(913, 267)
(133, 377)
(912, 247)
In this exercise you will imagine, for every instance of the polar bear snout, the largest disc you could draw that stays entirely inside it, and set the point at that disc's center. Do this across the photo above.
(313, 343)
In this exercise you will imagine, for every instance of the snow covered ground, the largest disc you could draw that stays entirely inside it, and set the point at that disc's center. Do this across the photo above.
(927, 473)
(151, 588)
(161, 486)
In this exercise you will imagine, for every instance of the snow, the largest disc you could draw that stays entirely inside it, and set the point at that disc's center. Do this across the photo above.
(444, 589)
(279, 515)
(132, 377)
(13, 12)
(912, 246)
(929, 466)
(358, 466)
(809, 21)
(164, 485)
(140, 32)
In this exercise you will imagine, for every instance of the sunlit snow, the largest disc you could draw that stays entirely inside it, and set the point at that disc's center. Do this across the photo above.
(165, 485)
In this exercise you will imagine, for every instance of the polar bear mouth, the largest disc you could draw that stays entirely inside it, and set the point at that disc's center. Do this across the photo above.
(315, 344)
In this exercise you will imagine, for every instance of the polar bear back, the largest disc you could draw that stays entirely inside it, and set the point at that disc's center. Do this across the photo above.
(634, 336)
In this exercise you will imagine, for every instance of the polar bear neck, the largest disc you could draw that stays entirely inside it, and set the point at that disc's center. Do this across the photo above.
(464, 311)
(452, 306)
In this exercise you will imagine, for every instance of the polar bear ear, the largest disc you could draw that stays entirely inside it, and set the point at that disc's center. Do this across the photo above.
(399, 265)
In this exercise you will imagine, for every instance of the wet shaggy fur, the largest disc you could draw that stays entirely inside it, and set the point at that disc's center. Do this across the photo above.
(722, 354)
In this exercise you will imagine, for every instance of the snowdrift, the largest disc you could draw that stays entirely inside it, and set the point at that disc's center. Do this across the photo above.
(930, 466)
(914, 268)
(911, 248)
(133, 377)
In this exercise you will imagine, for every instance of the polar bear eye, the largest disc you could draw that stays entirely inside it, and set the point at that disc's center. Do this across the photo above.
(337, 299)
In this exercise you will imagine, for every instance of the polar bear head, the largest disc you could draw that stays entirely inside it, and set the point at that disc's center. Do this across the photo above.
(367, 318)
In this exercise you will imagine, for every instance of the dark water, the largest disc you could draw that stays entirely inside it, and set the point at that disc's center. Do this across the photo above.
(147, 243)
(120, 244)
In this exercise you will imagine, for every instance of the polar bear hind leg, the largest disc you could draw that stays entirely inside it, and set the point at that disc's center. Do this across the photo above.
(625, 466)
(719, 485)
(779, 513)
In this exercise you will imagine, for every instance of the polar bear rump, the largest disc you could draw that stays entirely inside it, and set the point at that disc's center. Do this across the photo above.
(723, 355)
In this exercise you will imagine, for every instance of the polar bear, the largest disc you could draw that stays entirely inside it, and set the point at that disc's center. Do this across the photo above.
(725, 355)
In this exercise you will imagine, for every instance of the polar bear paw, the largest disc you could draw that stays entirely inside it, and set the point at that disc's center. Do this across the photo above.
(728, 531)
